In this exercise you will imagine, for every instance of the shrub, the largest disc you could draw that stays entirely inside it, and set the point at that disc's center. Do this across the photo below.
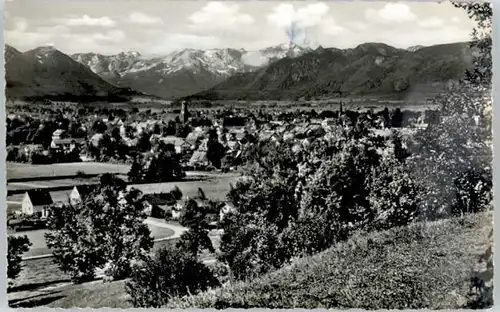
(170, 272)
(473, 192)
(17, 245)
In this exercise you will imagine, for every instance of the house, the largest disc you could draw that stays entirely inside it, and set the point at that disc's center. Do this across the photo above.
(328, 123)
(267, 135)
(289, 136)
(176, 211)
(203, 147)
(36, 203)
(80, 192)
(30, 149)
(67, 144)
(158, 205)
(96, 139)
(233, 145)
(227, 208)
(199, 158)
(59, 134)
(86, 158)
(238, 134)
(180, 144)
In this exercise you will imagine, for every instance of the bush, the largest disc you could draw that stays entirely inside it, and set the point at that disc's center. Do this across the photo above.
(17, 245)
(105, 229)
(171, 272)
(473, 192)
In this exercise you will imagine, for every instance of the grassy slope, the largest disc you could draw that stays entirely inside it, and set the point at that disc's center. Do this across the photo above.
(424, 265)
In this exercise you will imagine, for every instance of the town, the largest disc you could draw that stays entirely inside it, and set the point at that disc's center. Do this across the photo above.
(210, 141)
(249, 155)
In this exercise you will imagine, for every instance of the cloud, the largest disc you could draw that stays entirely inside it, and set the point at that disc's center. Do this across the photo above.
(21, 38)
(220, 15)
(391, 13)
(162, 43)
(20, 24)
(112, 36)
(422, 36)
(330, 27)
(432, 22)
(144, 19)
(357, 25)
(285, 14)
(86, 20)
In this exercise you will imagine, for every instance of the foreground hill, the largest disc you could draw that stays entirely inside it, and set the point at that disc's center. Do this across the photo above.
(419, 266)
(47, 73)
(368, 69)
(181, 73)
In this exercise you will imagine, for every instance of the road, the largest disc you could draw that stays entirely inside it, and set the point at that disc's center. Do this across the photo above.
(160, 230)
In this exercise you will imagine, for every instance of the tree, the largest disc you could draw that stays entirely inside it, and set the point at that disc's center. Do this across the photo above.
(135, 172)
(215, 150)
(16, 246)
(176, 192)
(201, 194)
(99, 126)
(450, 155)
(295, 204)
(171, 272)
(397, 118)
(105, 230)
(482, 14)
(163, 167)
(196, 238)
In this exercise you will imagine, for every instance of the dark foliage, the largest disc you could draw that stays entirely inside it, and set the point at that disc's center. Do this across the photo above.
(16, 246)
(171, 272)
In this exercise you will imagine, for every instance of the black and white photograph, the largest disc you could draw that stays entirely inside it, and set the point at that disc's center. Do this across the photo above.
(248, 154)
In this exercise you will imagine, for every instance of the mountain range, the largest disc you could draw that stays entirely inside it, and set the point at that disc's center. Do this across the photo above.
(286, 71)
(47, 73)
(369, 69)
(184, 72)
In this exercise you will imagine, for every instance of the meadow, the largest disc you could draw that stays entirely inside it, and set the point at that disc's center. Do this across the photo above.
(423, 265)
(28, 171)
(214, 185)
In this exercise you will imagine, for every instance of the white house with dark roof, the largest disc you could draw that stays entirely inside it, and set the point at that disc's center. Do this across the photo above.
(36, 203)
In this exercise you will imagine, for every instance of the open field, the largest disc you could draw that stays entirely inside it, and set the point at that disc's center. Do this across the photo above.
(11, 186)
(215, 186)
(20, 171)
(424, 265)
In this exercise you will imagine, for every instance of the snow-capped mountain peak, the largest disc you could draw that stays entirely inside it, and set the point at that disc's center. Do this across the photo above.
(414, 48)
(209, 65)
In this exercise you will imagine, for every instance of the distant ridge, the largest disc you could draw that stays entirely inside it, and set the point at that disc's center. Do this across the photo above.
(46, 73)
(368, 69)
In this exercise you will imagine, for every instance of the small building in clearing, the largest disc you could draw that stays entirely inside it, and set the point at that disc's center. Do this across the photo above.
(36, 203)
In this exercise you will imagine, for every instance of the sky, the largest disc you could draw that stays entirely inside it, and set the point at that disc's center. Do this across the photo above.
(153, 27)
